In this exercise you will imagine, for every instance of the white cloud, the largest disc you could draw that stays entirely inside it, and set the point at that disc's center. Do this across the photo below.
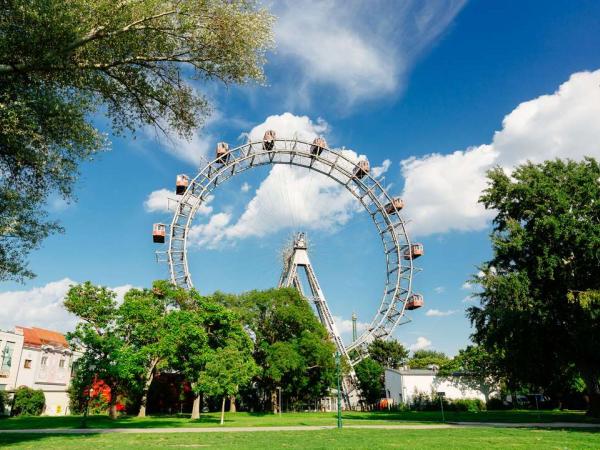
(160, 201)
(377, 171)
(363, 49)
(344, 327)
(288, 196)
(439, 289)
(441, 191)
(245, 187)
(42, 306)
(290, 126)
(421, 344)
(466, 286)
(438, 313)
(469, 299)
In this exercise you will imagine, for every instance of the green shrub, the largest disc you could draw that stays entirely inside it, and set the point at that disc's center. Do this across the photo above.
(28, 402)
(495, 403)
(424, 402)
(467, 404)
(3, 402)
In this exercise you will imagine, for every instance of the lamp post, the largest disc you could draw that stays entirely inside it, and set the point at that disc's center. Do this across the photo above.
(441, 397)
(339, 390)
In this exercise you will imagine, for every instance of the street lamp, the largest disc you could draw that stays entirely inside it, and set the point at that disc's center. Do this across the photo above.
(441, 396)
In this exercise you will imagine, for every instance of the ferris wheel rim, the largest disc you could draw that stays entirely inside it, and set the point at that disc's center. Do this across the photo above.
(399, 271)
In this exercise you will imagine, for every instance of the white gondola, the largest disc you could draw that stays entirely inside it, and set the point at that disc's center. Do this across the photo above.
(269, 140)
(317, 146)
(181, 184)
(362, 169)
(394, 206)
(222, 152)
(159, 230)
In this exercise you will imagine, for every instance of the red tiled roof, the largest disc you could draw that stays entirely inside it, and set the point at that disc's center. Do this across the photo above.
(39, 336)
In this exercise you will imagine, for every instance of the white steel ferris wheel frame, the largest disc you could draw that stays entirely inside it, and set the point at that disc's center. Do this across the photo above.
(333, 164)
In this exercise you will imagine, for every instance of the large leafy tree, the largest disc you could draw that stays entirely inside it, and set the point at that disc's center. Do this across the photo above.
(476, 369)
(106, 355)
(292, 348)
(424, 359)
(370, 375)
(62, 61)
(389, 353)
(227, 368)
(141, 323)
(197, 333)
(537, 308)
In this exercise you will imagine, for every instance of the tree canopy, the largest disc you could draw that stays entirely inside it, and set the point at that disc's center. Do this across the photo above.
(539, 308)
(61, 62)
(424, 359)
(389, 353)
(292, 348)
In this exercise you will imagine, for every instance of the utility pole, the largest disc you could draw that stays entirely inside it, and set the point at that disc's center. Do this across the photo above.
(339, 390)
(354, 333)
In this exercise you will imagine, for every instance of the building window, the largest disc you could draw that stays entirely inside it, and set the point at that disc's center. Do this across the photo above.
(61, 363)
(27, 364)
(44, 361)
(6, 357)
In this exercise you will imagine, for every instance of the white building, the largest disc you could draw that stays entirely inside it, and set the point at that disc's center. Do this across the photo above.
(39, 359)
(402, 385)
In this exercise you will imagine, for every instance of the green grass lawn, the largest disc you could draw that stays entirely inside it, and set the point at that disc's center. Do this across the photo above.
(459, 438)
(242, 419)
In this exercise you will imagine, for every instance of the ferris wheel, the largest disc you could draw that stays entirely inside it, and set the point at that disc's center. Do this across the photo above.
(354, 175)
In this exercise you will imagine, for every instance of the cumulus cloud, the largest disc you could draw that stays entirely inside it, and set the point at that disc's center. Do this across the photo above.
(377, 171)
(162, 200)
(288, 196)
(362, 49)
(344, 327)
(439, 289)
(421, 344)
(42, 306)
(442, 191)
(438, 313)
(245, 187)
(466, 286)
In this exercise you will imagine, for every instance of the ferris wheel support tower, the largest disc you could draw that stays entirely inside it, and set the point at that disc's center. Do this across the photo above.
(295, 260)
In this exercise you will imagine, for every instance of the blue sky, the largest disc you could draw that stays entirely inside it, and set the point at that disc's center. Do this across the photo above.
(441, 90)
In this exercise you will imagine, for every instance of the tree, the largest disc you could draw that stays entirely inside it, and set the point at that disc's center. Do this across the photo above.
(199, 332)
(474, 368)
(62, 62)
(106, 355)
(228, 368)
(389, 353)
(424, 359)
(369, 374)
(28, 402)
(141, 323)
(292, 348)
(535, 294)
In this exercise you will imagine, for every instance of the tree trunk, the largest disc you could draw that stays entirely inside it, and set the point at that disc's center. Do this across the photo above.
(112, 404)
(592, 382)
(223, 410)
(196, 407)
(112, 408)
(274, 405)
(147, 383)
(232, 407)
